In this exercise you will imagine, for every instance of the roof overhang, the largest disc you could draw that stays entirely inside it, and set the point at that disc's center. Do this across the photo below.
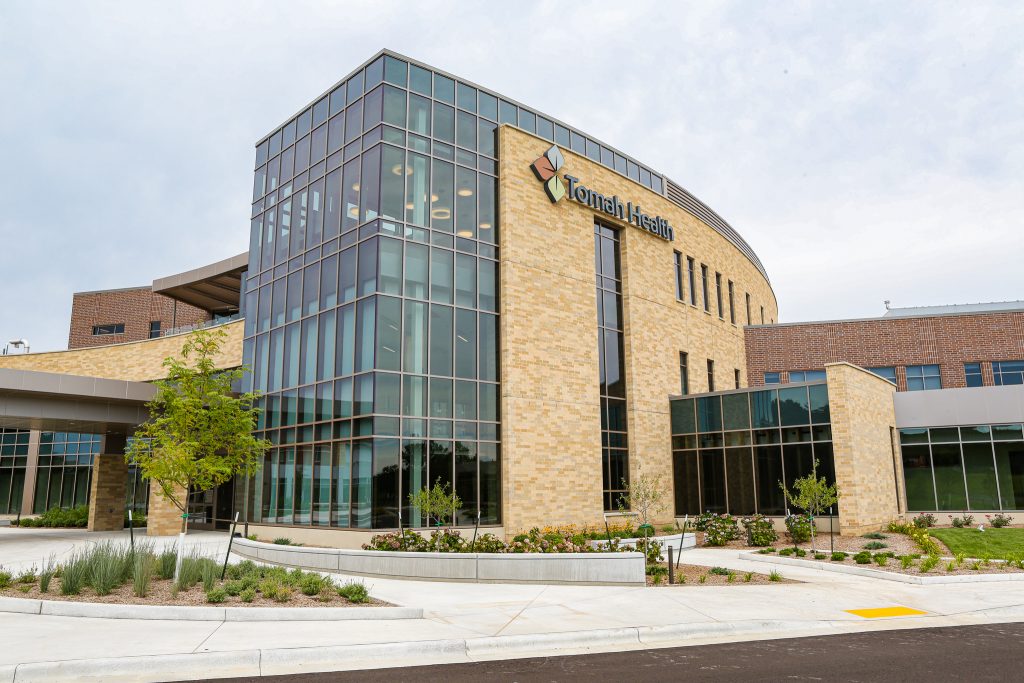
(71, 403)
(215, 287)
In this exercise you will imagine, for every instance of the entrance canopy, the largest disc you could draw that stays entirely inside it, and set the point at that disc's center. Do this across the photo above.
(71, 403)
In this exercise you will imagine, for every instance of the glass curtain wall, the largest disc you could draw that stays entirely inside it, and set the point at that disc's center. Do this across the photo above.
(13, 462)
(611, 363)
(978, 467)
(372, 303)
(730, 451)
(65, 469)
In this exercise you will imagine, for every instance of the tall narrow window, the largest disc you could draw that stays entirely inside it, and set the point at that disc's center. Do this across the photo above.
(748, 307)
(736, 375)
(732, 305)
(679, 274)
(612, 387)
(692, 280)
(762, 315)
(972, 374)
(718, 295)
(704, 287)
(711, 375)
(684, 374)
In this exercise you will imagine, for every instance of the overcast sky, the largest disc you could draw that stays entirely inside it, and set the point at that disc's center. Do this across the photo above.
(867, 151)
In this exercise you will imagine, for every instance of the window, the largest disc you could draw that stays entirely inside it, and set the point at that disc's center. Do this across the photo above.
(1008, 372)
(921, 377)
(103, 330)
(154, 329)
(704, 287)
(773, 378)
(612, 378)
(679, 274)
(693, 281)
(972, 374)
(736, 375)
(888, 373)
(684, 376)
(711, 375)
(762, 315)
(806, 375)
(747, 295)
(732, 307)
(718, 295)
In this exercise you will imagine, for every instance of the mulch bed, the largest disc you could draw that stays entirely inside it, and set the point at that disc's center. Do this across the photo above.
(160, 593)
(690, 575)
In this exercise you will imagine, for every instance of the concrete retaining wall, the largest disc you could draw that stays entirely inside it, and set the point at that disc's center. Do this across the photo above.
(577, 568)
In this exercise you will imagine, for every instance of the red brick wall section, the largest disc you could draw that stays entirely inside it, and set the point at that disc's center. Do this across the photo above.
(949, 341)
(135, 307)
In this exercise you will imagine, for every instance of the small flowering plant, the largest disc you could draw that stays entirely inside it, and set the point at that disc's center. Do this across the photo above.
(924, 520)
(720, 529)
(760, 530)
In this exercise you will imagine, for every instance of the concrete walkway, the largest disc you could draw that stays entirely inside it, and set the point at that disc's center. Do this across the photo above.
(466, 622)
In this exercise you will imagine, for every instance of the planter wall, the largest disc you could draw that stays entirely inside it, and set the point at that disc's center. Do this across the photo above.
(575, 568)
(677, 542)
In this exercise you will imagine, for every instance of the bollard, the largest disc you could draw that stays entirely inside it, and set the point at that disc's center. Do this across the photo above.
(671, 568)
(131, 530)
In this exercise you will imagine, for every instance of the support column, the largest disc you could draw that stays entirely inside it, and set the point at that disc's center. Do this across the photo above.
(162, 518)
(109, 482)
(28, 491)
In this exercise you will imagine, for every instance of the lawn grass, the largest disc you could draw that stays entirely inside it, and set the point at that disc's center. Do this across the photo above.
(993, 543)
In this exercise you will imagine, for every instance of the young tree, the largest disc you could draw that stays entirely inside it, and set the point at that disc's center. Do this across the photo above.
(645, 497)
(199, 433)
(812, 495)
(436, 502)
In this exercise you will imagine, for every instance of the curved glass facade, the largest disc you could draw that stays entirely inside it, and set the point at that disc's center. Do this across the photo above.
(372, 303)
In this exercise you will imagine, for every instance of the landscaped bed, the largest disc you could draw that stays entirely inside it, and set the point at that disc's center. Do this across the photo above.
(115, 574)
(912, 563)
(697, 575)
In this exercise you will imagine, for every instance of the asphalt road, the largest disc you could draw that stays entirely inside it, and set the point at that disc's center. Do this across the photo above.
(993, 652)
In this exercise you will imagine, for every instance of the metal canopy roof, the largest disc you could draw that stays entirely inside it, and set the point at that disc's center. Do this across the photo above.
(215, 287)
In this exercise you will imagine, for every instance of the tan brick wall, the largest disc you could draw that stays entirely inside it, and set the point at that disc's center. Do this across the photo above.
(134, 361)
(863, 418)
(106, 492)
(136, 307)
(162, 518)
(550, 419)
(948, 341)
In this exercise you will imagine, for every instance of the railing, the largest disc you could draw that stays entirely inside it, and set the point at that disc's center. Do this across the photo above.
(185, 329)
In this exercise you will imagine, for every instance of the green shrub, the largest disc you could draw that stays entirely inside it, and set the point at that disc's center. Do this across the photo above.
(105, 568)
(60, 518)
(719, 571)
(747, 577)
(720, 529)
(862, 557)
(354, 591)
(800, 552)
(47, 573)
(760, 530)
(881, 559)
(999, 520)
(875, 545)
(489, 543)
(74, 574)
(234, 588)
(656, 570)
(774, 576)
(216, 595)
(268, 588)
(785, 552)
(282, 541)
(923, 521)
(165, 562)
(24, 587)
(703, 578)
(820, 556)
(927, 564)
(284, 594)
(951, 566)
(27, 576)
(906, 561)
(242, 569)
(210, 571)
(875, 535)
(312, 584)
(6, 579)
(838, 556)
(248, 595)
(142, 573)
(799, 528)
(766, 551)
(919, 534)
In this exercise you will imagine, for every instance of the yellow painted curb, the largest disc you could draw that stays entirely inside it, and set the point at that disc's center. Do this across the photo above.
(880, 612)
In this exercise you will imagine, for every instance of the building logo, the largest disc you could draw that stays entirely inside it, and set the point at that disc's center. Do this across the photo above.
(546, 169)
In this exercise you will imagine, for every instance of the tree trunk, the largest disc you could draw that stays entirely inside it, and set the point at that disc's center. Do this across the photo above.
(181, 536)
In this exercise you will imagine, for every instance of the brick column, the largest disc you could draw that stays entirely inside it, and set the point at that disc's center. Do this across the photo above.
(106, 491)
(162, 518)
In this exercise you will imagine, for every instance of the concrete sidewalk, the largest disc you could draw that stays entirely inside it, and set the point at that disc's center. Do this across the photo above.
(468, 622)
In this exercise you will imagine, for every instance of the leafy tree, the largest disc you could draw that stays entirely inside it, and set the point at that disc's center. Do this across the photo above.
(436, 502)
(199, 433)
(812, 495)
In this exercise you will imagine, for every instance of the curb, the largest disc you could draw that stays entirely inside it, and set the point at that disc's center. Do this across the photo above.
(55, 608)
(880, 574)
(269, 662)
